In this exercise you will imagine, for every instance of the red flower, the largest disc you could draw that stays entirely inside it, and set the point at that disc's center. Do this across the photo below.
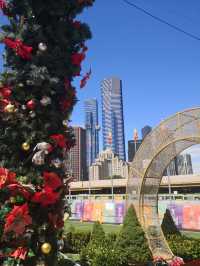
(16, 189)
(17, 220)
(59, 140)
(77, 58)
(19, 253)
(85, 79)
(85, 2)
(45, 197)
(22, 50)
(76, 24)
(56, 220)
(67, 83)
(52, 180)
(6, 177)
(66, 104)
(3, 4)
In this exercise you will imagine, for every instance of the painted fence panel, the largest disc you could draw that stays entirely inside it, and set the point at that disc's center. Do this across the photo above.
(186, 214)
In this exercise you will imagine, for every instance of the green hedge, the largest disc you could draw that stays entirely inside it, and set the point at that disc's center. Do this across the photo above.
(184, 247)
(76, 241)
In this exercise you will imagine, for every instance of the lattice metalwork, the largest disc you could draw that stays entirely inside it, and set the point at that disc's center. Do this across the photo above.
(171, 137)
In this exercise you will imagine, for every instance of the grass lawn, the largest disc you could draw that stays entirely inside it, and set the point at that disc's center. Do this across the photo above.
(86, 226)
(191, 234)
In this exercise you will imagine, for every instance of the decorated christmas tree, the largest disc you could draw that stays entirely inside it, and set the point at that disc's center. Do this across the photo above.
(44, 49)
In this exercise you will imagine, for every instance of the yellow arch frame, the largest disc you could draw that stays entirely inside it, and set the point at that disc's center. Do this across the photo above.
(167, 140)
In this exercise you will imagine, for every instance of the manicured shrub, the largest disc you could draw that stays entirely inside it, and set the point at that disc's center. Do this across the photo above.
(101, 250)
(75, 241)
(98, 234)
(103, 253)
(168, 226)
(132, 239)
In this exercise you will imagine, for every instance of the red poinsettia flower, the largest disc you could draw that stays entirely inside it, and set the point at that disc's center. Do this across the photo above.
(19, 253)
(21, 49)
(7, 177)
(67, 83)
(59, 140)
(76, 24)
(66, 104)
(3, 4)
(17, 220)
(52, 180)
(85, 79)
(45, 197)
(56, 220)
(77, 58)
(16, 189)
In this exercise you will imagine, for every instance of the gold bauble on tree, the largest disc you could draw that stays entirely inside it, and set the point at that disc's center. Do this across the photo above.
(10, 108)
(12, 200)
(25, 146)
(46, 248)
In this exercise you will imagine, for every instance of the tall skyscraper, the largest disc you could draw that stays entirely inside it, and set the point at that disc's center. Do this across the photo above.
(180, 165)
(78, 155)
(133, 146)
(184, 164)
(145, 131)
(112, 116)
(92, 130)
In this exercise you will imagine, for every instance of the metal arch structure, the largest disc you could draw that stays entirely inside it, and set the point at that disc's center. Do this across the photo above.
(160, 146)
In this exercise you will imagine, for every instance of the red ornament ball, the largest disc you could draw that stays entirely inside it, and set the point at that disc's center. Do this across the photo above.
(6, 92)
(31, 105)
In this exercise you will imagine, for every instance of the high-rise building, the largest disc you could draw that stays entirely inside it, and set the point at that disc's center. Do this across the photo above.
(112, 116)
(133, 146)
(184, 164)
(180, 165)
(78, 155)
(92, 130)
(145, 131)
(172, 168)
(108, 166)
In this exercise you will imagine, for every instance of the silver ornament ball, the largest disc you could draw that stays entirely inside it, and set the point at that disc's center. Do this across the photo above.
(45, 101)
(32, 114)
(42, 47)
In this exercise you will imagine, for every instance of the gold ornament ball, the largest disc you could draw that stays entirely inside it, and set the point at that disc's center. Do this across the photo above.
(12, 200)
(25, 146)
(10, 108)
(46, 248)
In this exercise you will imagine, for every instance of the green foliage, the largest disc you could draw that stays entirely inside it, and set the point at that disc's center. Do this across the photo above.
(132, 239)
(168, 226)
(103, 254)
(98, 234)
(75, 241)
(186, 248)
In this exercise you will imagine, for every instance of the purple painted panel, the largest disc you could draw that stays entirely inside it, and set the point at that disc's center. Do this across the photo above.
(177, 214)
(79, 210)
(119, 212)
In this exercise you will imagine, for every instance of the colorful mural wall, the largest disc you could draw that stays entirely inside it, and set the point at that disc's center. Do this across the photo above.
(186, 214)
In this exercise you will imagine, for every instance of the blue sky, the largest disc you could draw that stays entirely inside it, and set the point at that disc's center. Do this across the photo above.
(159, 67)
